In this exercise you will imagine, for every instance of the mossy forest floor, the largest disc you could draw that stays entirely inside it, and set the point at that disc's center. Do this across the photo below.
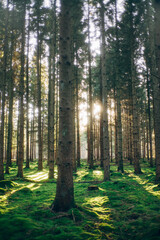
(127, 207)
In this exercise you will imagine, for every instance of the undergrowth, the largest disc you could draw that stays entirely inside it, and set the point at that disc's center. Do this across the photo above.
(125, 208)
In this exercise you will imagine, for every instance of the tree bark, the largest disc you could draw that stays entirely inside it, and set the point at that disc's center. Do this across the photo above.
(78, 126)
(27, 98)
(106, 157)
(21, 95)
(64, 198)
(119, 122)
(137, 168)
(10, 117)
(90, 148)
(52, 95)
(40, 163)
(4, 79)
(156, 89)
(149, 121)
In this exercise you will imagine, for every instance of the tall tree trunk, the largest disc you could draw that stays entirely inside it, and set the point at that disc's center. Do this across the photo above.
(73, 99)
(4, 79)
(27, 97)
(10, 117)
(137, 168)
(119, 122)
(149, 119)
(40, 164)
(17, 149)
(78, 126)
(90, 148)
(51, 118)
(52, 95)
(57, 116)
(101, 124)
(115, 127)
(21, 95)
(147, 142)
(156, 89)
(106, 157)
(111, 142)
(64, 198)
(136, 140)
(130, 150)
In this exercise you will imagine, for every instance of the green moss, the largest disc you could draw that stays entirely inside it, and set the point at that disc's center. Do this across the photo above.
(2, 191)
(127, 207)
(6, 184)
(15, 227)
(105, 227)
(20, 193)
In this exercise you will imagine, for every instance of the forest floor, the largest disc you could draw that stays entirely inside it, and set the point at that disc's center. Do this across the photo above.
(125, 208)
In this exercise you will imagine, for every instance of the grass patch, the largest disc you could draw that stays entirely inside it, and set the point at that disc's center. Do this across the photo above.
(127, 207)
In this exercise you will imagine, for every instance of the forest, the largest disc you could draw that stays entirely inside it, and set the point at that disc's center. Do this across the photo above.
(79, 119)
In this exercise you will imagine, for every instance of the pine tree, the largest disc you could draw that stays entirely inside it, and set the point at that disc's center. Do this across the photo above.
(4, 79)
(51, 94)
(156, 85)
(64, 198)
(106, 157)
(21, 93)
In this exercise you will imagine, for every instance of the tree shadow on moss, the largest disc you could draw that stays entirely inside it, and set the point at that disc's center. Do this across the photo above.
(134, 210)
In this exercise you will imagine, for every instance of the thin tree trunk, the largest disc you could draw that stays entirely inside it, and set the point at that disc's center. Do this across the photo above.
(130, 152)
(90, 148)
(21, 95)
(156, 87)
(115, 128)
(119, 122)
(149, 119)
(10, 117)
(78, 126)
(106, 157)
(57, 117)
(101, 120)
(4, 78)
(27, 98)
(51, 104)
(40, 164)
(17, 150)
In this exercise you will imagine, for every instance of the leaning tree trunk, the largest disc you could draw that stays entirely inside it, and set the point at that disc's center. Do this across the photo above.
(64, 198)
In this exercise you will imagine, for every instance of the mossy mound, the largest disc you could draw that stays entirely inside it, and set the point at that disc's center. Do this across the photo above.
(16, 227)
(6, 184)
(2, 191)
(20, 193)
